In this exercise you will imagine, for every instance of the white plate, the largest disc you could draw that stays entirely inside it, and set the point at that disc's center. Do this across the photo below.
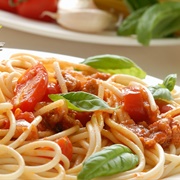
(53, 30)
(7, 52)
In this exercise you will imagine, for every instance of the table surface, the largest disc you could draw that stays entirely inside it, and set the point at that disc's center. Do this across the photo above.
(158, 61)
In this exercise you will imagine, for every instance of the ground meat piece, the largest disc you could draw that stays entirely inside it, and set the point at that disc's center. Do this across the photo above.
(142, 131)
(161, 131)
(57, 120)
(72, 83)
(91, 86)
(102, 76)
(68, 122)
(52, 118)
(164, 131)
(176, 133)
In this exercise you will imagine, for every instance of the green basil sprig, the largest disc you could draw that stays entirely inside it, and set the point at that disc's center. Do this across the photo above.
(82, 101)
(156, 20)
(111, 160)
(135, 5)
(160, 20)
(163, 91)
(115, 64)
(129, 25)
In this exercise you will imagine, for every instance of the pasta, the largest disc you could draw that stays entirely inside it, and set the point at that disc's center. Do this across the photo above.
(24, 148)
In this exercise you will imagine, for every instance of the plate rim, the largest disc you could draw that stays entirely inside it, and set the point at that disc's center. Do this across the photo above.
(53, 30)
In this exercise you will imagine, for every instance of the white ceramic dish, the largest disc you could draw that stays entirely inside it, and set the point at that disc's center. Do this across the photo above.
(7, 52)
(53, 30)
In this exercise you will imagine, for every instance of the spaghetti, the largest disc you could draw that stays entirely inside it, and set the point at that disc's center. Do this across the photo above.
(31, 152)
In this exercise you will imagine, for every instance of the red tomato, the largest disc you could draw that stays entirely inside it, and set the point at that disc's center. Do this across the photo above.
(163, 106)
(134, 105)
(28, 116)
(30, 88)
(4, 124)
(5, 5)
(52, 88)
(34, 8)
(66, 146)
(83, 117)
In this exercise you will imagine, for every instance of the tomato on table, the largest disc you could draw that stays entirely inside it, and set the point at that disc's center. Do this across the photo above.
(30, 88)
(34, 8)
(7, 6)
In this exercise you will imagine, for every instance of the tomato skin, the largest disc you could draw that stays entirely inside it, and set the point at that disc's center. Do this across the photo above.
(134, 104)
(66, 146)
(163, 106)
(34, 8)
(83, 117)
(4, 124)
(28, 116)
(5, 5)
(52, 88)
(30, 88)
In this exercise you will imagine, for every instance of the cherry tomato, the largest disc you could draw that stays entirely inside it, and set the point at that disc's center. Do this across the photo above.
(34, 8)
(164, 106)
(52, 88)
(22, 126)
(4, 124)
(28, 116)
(134, 104)
(66, 146)
(30, 88)
(83, 117)
(5, 5)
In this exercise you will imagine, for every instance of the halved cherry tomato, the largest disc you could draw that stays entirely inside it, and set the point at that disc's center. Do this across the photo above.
(5, 5)
(83, 117)
(34, 8)
(134, 104)
(66, 146)
(52, 88)
(4, 124)
(30, 88)
(164, 106)
(22, 126)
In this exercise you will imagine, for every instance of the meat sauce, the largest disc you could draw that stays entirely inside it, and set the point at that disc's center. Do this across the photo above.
(150, 128)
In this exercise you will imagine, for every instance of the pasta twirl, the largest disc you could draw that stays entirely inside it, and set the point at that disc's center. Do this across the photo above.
(28, 140)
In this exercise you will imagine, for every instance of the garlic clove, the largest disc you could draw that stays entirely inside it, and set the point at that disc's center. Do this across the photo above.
(86, 20)
(76, 4)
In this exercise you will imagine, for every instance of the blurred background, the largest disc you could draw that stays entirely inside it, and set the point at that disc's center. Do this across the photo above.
(158, 59)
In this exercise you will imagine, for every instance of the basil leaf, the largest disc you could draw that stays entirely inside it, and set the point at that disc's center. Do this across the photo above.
(135, 5)
(111, 160)
(170, 81)
(115, 64)
(82, 101)
(163, 91)
(159, 92)
(159, 16)
(128, 25)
